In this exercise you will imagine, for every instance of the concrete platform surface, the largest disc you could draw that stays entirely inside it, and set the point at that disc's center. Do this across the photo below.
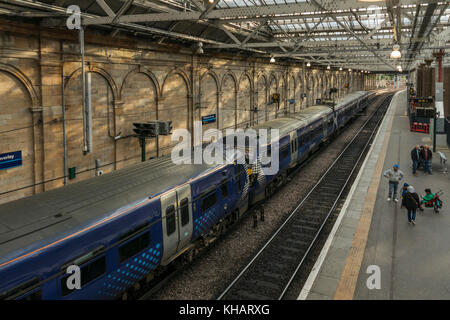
(372, 239)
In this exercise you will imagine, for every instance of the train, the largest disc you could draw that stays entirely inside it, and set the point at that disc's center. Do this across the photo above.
(101, 237)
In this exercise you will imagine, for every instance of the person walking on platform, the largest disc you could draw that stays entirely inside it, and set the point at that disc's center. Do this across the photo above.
(394, 175)
(411, 202)
(415, 157)
(426, 156)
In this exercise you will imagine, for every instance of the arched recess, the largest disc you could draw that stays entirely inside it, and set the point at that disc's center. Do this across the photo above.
(209, 99)
(283, 96)
(300, 102)
(139, 94)
(173, 106)
(243, 116)
(273, 88)
(292, 101)
(261, 96)
(103, 96)
(17, 131)
(227, 110)
(317, 87)
(310, 83)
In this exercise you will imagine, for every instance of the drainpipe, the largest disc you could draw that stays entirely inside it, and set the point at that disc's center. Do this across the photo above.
(83, 79)
(64, 124)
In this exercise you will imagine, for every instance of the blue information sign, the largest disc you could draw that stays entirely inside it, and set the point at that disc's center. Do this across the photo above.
(10, 159)
(209, 118)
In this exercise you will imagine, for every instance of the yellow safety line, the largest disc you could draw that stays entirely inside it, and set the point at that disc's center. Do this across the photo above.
(349, 276)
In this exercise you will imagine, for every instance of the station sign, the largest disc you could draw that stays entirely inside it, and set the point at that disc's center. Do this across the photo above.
(10, 160)
(209, 118)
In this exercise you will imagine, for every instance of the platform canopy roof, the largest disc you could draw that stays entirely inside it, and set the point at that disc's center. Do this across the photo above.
(357, 34)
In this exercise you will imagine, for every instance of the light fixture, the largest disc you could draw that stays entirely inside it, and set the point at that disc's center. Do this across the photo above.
(308, 64)
(328, 67)
(340, 69)
(211, 1)
(199, 48)
(349, 70)
(399, 68)
(272, 59)
(396, 54)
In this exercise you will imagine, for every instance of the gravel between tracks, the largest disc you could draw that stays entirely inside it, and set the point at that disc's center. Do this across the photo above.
(209, 275)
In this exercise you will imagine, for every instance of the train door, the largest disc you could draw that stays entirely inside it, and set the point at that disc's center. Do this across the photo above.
(324, 126)
(294, 147)
(177, 220)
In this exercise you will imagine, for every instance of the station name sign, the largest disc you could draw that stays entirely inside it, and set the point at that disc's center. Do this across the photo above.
(10, 160)
(209, 118)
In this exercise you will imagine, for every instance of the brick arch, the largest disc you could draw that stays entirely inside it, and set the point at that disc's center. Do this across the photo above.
(24, 80)
(273, 75)
(103, 73)
(182, 74)
(246, 74)
(214, 76)
(230, 73)
(146, 72)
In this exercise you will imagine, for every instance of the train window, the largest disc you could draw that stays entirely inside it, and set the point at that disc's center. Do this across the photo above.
(88, 272)
(284, 152)
(134, 246)
(209, 200)
(292, 146)
(26, 291)
(238, 177)
(184, 211)
(170, 220)
(224, 189)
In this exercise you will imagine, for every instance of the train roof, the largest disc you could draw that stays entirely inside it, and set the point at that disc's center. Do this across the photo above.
(288, 123)
(35, 218)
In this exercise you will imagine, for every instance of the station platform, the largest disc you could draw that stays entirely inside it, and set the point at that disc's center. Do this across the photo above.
(372, 237)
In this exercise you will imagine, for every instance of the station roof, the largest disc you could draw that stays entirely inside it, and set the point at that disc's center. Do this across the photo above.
(356, 34)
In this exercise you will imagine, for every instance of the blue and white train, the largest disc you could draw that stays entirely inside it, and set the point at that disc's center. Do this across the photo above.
(124, 227)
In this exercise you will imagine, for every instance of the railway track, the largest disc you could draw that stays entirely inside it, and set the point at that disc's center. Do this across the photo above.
(271, 271)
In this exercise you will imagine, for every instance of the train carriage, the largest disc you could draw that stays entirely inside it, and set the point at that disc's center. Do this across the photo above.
(120, 227)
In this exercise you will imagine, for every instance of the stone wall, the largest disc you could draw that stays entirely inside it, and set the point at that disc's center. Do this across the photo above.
(132, 80)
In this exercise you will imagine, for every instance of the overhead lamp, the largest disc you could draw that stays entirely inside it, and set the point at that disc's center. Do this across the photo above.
(272, 59)
(340, 69)
(399, 68)
(308, 64)
(199, 48)
(328, 67)
(211, 1)
(349, 70)
(396, 54)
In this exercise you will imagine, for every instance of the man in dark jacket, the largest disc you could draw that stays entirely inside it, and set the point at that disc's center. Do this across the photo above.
(415, 157)
(411, 202)
(425, 157)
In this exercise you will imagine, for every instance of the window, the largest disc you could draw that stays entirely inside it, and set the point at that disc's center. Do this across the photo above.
(224, 189)
(292, 146)
(27, 291)
(209, 200)
(238, 177)
(184, 211)
(134, 246)
(284, 152)
(89, 272)
(170, 220)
